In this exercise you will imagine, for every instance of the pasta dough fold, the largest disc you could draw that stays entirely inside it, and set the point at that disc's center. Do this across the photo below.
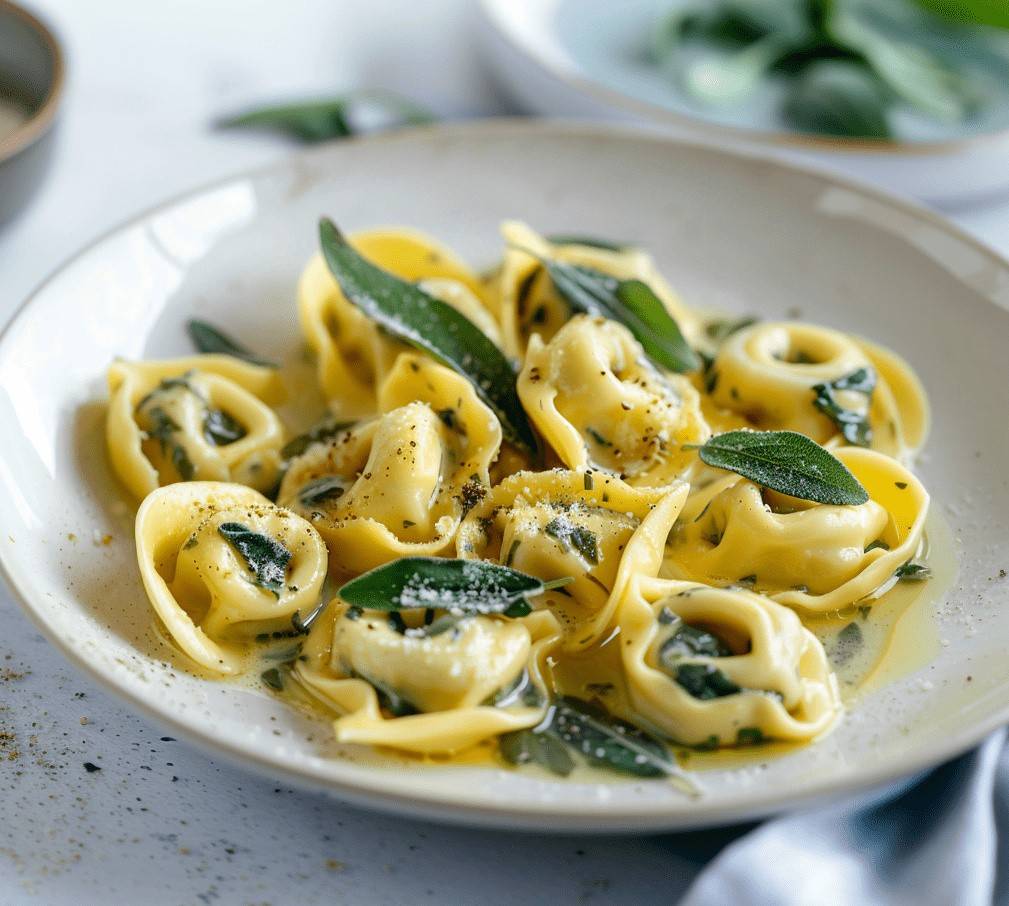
(221, 565)
(768, 373)
(600, 403)
(590, 526)
(398, 485)
(806, 555)
(203, 417)
(708, 666)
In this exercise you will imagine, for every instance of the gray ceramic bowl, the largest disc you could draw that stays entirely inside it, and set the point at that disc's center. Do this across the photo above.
(31, 81)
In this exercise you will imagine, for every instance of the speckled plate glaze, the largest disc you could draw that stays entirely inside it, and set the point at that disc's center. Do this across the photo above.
(730, 231)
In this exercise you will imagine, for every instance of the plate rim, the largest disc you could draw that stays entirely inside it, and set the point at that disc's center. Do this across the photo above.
(587, 817)
(581, 80)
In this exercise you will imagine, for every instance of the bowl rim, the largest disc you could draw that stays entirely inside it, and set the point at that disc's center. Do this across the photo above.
(43, 118)
(472, 811)
(494, 13)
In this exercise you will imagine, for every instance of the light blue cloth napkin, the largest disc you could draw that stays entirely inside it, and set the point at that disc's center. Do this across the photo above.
(940, 838)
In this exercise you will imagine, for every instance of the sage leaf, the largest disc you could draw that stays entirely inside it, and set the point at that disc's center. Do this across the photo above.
(431, 325)
(266, 558)
(838, 97)
(458, 586)
(591, 242)
(719, 331)
(208, 339)
(273, 678)
(787, 462)
(689, 641)
(574, 537)
(325, 430)
(705, 681)
(220, 429)
(846, 644)
(536, 747)
(316, 121)
(319, 490)
(913, 572)
(606, 742)
(631, 303)
(853, 425)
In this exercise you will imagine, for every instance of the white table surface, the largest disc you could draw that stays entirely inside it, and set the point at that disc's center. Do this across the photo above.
(161, 822)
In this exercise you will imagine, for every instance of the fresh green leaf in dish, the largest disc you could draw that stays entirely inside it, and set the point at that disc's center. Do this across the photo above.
(458, 586)
(266, 558)
(429, 324)
(322, 431)
(339, 117)
(592, 242)
(848, 68)
(838, 97)
(209, 339)
(853, 424)
(631, 303)
(787, 462)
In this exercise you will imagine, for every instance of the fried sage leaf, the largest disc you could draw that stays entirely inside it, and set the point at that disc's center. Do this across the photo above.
(458, 586)
(207, 338)
(787, 462)
(410, 314)
(631, 303)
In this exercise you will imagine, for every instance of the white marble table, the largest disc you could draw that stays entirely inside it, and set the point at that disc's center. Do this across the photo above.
(161, 822)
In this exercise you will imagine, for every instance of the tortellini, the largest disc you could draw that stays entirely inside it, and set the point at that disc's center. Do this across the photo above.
(710, 666)
(222, 565)
(591, 527)
(398, 484)
(600, 403)
(812, 556)
(772, 373)
(433, 689)
(203, 417)
(353, 355)
(529, 303)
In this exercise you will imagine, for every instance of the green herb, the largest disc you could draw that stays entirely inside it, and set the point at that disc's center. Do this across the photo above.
(630, 302)
(429, 324)
(598, 438)
(273, 678)
(878, 544)
(787, 462)
(689, 641)
(705, 681)
(221, 429)
(853, 425)
(319, 490)
(575, 537)
(536, 747)
(913, 572)
(315, 121)
(842, 67)
(750, 736)
(838, 97)
(846, 644)
(589, 241)
(266, 558)
(207, 338)
(302, 626)
(983, 12)
(327, 429)
(603, 741)
(163, 429)
(587, 482)
(720, 331)
(458, 586)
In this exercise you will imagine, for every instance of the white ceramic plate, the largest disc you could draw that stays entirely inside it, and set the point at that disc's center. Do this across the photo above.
(730, 231)
(586, 58)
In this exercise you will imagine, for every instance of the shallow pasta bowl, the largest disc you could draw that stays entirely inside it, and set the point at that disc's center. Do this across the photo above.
(730, 231)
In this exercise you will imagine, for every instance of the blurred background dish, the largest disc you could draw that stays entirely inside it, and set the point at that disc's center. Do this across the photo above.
(31, 82)
(926, 112)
